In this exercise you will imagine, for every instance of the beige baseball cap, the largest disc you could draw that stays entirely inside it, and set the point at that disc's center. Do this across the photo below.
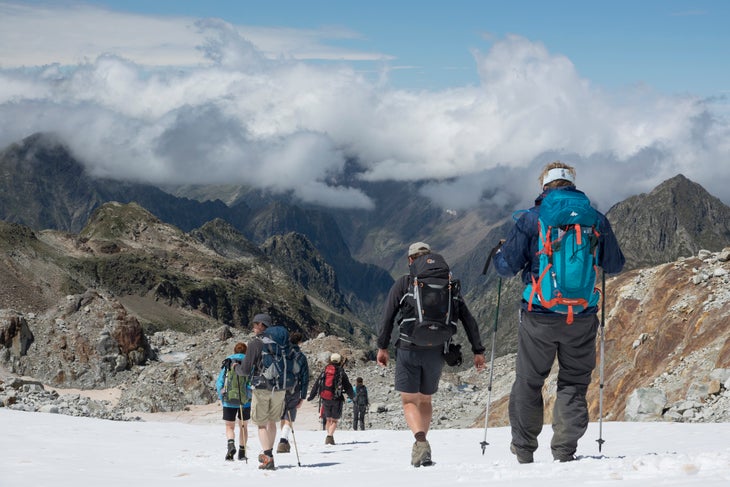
(418, 247)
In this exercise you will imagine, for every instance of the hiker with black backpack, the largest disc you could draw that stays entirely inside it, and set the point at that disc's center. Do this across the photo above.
(270, 369)
(428, 302)
(360, 404)
(556, 245)
(235, 396)
(332, 386)
(294, 396)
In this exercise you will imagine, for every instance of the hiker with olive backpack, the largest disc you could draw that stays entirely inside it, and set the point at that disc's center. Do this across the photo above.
(557, 245)
(235, 395)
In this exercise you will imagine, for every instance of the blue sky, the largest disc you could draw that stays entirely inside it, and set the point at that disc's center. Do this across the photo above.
(674, 46)
(474, 96)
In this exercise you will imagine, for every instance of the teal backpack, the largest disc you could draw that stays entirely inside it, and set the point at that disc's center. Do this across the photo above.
(568, 241)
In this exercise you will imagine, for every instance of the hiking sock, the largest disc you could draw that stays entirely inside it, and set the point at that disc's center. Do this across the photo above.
(420, 436)
(285, 432)
(269, 453)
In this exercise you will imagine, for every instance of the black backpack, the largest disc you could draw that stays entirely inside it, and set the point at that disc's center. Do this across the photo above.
(361, 396)
(430, 301)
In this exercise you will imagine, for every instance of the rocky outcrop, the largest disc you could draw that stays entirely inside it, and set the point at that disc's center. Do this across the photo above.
(87, 341)
(667, 323)
(15, 335)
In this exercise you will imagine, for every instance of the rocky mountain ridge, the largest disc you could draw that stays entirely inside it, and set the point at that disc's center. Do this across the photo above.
(44, 187)
(666, 336)
(133, 301)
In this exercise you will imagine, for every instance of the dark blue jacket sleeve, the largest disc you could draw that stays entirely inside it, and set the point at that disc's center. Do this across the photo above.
(516, 254)
(610, 257)
(303, 376)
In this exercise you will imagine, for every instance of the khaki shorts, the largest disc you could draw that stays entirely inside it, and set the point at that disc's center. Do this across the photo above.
(266, 406)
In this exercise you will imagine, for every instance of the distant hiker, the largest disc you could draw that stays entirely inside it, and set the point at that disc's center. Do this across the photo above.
(268, 371)
(332, 386)
(235, 396)
(550, 324)
(429, 302)
(295, 396)
(360, 404)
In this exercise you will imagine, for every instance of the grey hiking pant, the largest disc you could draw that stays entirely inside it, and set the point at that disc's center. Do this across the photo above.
(541, 337)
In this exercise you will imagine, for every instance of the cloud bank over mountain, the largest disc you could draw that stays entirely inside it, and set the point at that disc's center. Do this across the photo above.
(248, 110)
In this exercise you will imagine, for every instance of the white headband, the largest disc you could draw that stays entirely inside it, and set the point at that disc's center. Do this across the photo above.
(557, 173)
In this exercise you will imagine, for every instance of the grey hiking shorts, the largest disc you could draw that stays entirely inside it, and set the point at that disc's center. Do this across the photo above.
(418, 370)
(290, 406)
(332, 409)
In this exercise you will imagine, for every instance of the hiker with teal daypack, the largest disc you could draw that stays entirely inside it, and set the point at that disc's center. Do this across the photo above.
(557, 245)
(235, 396)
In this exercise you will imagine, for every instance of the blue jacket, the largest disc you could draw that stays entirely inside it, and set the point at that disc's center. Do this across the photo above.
(220, 382)
(303, 378)
(519, 251)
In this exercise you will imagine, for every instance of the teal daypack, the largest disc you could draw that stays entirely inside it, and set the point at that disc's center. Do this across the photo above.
(568, 241)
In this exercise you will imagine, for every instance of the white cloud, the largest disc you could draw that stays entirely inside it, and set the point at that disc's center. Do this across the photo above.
(237, 113)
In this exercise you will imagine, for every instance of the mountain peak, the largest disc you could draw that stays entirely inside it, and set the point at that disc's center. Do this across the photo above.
(678, 218)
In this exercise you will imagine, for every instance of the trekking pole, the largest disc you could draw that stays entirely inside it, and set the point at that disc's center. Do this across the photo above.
(240, 408)
(491, 366)
(484, 443)
(293, 437)
(600, 439)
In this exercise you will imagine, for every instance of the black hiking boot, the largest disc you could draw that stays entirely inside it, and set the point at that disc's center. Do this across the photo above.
(330, 440)
(231, 450)
(242, 453)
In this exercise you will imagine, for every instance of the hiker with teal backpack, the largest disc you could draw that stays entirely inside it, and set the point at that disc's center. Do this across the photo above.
(235, 396)
(270, 368)
(557, 245)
